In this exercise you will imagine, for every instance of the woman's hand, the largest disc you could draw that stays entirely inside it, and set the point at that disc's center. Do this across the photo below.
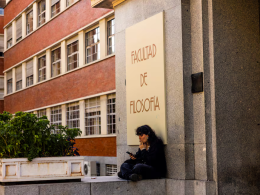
(132, 157)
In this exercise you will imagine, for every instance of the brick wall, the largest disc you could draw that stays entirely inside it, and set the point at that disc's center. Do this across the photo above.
(66, 23)
(89, 80)
(104, 146)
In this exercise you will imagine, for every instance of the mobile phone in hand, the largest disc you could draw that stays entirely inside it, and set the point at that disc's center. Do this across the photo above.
(129, 153)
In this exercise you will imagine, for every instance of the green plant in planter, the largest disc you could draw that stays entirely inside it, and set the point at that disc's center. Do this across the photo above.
(26, 135)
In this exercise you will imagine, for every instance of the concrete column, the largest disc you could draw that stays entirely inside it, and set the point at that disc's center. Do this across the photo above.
(24, 75)
(103, 38)
(198, 98)
(63, 115)
(35, 70)
(82, 116)
(81, 48)
(5, 39)
(35, 16)
(13, 32)
(48, 113)
(103, 108)
(63, 57)
(14, 80)
(5, 84)
(23, 24)
(62, 5)
(48, 10)
(48, 64)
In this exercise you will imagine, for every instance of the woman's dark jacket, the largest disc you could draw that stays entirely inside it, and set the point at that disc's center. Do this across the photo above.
(154, 157)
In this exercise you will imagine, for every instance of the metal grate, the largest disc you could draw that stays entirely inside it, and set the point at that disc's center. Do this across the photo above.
(111, 170)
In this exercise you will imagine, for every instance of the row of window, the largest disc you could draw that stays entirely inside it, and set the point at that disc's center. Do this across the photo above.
(92, 53)
(55, 8)
(92, 115)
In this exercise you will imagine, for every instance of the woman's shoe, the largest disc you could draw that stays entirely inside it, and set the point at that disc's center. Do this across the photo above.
(135, 177)
(119, 174)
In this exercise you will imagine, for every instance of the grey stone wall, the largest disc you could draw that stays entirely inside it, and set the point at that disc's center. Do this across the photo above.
(237, 88)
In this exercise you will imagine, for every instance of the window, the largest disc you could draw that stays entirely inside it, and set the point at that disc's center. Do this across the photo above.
(73, 55)
(111, 170)
(111, 114)
(9, 37)
(41, 113)
(41, 12)
(111, 37)
(1, 11)
(1, 45)
(9, 79)
(56, 117)
(92, 45)
(18, 29)
(29, 73)
(55, 62)
(18, 77)
(1, 87)
(92, 116)
(42, 68)
(29, 22)
(69, 2)
(73, 115)
(55, 7)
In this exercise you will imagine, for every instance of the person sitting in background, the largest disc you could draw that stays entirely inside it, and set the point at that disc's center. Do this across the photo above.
(149, 161)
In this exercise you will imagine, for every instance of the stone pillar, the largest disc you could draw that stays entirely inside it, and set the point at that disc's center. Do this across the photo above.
(63, 115)
(14, 80)
(35, 70)
(23, 25)
(103, 108)
(81, 48)
(82, 116)
(103, 38)
(48, 64)
(24, 75)
(63, 57)
(35, 16)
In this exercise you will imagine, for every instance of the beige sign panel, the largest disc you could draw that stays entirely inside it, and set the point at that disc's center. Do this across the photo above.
(145, 78)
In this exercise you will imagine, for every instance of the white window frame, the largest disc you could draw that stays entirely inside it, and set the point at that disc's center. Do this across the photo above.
(89, 46)
(56, 117)
(68, 2)
(93, 116)
(72, 110)
(54, 64)
(112, 36)
(9, 86)
(54, 12)
(111, 169)
(41, 77)
(71, 55)
(41, 15)
(27, 22)
(111, 104)
(41, 113)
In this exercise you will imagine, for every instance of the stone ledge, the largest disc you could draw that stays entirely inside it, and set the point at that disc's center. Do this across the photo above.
(113, 185)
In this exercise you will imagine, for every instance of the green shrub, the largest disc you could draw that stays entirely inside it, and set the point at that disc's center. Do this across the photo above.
(26, 135)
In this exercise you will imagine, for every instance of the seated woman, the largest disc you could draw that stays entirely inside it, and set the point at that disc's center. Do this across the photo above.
(149, 162)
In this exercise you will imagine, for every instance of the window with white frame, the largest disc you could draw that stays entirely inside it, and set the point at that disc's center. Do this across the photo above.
(55, 62)
(9, 37)
(18, 29)
(18, 77)
(29, 22)
(41, 113)
(92, 45)
(41, 12)
(73, 115)
(2, 11)
(56, 117)
(55, 7)
(69, 2)
(29, 73)
(111, 37)
(111, 170)
(111, 114)
(1, 87)
(9, 78)
(92, 116)
(1, 45)
(41, 68)
(73, 55)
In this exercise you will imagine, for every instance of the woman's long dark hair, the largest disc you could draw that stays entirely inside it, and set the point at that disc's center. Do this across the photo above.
(147, 130)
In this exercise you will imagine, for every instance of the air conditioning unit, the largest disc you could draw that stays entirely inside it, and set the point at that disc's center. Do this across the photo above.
(90, 168)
